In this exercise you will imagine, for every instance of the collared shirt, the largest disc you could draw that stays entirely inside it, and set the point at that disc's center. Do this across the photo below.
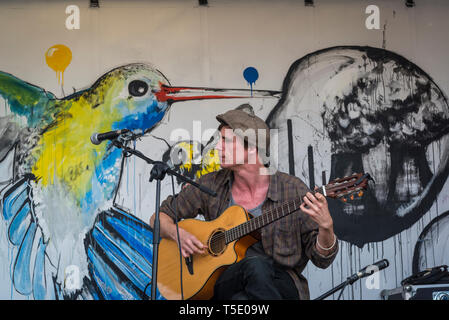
(290, 241)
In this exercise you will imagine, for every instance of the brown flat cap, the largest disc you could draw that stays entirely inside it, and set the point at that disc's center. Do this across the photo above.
(240, 121)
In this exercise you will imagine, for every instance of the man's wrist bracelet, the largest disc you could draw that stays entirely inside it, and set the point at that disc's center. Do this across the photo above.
(331, 247)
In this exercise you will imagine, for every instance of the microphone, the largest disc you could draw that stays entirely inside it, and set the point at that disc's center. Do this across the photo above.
(369, 270)
(98, 138)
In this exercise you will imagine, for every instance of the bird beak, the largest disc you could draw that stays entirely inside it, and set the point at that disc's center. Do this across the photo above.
(175, 94)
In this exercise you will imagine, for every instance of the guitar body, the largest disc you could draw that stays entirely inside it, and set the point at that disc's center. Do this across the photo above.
(206, 267)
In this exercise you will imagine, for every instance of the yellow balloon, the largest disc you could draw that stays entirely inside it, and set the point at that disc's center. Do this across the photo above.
(58, 57)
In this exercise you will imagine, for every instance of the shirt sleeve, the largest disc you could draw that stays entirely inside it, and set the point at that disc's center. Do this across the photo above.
(186, 204)
(309, 234)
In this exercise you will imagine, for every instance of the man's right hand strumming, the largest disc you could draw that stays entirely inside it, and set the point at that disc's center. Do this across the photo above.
(189, 243)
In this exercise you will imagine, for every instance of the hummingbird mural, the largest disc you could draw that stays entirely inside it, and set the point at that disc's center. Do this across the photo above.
(58, 189)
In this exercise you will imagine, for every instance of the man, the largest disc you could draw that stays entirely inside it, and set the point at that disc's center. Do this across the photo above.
(272, 267)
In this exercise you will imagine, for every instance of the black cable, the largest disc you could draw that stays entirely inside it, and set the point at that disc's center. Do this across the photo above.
(145, 290)
(179, 241)
(342, 289)
(127, 155)
(177, 234)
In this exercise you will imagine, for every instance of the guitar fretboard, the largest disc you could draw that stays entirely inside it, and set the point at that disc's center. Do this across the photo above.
(267, 217)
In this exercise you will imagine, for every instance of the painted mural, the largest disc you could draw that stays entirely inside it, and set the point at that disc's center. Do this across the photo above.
(60, 188)
(431, 247)
(368, 110)
(341, 110)
(59, 181)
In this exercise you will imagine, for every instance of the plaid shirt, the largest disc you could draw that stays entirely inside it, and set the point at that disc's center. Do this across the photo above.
(290, 241)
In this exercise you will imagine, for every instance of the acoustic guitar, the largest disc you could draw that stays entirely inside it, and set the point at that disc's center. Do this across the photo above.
(227, 238)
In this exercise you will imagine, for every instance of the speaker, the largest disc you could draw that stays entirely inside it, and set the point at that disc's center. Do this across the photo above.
(418, 292)
(440, 295)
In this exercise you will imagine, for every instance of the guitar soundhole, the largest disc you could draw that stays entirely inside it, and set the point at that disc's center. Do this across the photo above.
(217, 243)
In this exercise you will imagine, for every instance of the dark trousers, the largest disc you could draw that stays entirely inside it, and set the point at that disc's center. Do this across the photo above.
(255, 278)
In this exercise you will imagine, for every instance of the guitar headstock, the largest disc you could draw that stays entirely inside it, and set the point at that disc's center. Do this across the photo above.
(348, 187)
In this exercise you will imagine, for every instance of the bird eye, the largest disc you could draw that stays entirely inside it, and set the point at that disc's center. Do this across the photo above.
(137, 88)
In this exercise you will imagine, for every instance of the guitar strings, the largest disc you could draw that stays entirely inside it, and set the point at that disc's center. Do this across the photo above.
(251, 225)
(272, 214)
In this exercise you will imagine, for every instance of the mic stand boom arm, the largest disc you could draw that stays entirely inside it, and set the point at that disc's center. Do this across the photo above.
(341, 286)
(158, 173)
(162, 168)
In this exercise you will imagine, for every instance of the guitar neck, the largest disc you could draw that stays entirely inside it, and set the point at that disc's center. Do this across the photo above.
(267, 217)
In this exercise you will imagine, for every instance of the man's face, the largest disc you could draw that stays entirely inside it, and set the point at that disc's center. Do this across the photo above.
(231, 149)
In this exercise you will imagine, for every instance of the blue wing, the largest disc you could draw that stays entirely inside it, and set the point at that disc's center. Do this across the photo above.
(120, 253)
(31, 268)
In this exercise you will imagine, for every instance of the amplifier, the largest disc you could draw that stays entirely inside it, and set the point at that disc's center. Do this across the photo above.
(418, 292)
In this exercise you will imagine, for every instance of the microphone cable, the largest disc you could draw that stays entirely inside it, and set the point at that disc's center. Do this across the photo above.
(179, 241)
(343, 289)
(177, 235)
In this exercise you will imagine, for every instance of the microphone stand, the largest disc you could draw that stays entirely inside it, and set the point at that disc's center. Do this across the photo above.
(341, 286)
(366, 271)
(158, 173)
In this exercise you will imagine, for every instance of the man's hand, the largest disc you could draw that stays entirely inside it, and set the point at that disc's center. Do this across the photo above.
(318, 210)
(189, 243)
